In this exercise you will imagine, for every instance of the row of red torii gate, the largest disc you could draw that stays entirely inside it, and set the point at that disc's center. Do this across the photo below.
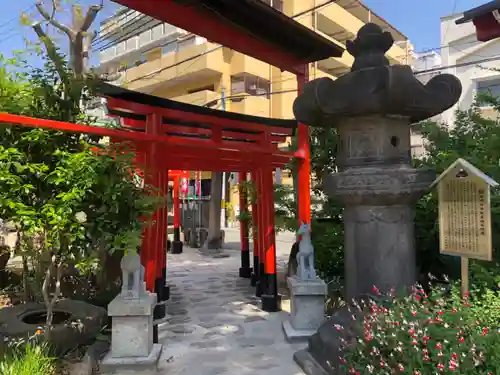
(170, 137)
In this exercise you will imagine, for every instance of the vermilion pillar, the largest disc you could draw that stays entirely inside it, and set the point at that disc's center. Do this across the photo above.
(304, 162)
(245, 270)
(153, 257)
(270, 297)
(261, 283)
(164, 226)
(255, 234)
(152, 178)
(177, 244)
(160, 226)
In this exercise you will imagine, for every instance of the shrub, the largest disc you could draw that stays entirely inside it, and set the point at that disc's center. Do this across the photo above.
(423, 334)
(328, 248)
(28, 360)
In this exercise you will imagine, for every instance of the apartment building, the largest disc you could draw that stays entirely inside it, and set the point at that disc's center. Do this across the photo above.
(475, 63)
(425, 65)
(163, 60)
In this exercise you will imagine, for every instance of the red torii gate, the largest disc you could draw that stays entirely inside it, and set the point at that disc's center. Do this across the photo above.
(176, 132)
(199, 138)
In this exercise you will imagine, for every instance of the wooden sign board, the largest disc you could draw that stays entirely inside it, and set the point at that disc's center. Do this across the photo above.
(464, 211)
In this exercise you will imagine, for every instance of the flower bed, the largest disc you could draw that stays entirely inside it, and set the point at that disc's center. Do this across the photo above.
(422, 335)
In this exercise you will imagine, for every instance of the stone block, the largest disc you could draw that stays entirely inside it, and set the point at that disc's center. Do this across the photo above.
(131, 336)
(147, 365)
(132, 328)
(307, 308)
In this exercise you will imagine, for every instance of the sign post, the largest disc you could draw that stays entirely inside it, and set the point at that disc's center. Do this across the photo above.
(465, 215)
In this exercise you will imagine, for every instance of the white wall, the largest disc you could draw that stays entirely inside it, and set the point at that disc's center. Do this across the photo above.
(423, 62)
(459, 45)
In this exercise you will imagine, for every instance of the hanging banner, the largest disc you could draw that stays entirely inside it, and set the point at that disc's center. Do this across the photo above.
(184, 186)
(198, 184)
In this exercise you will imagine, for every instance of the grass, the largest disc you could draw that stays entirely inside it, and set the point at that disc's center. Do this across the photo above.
(27, 360)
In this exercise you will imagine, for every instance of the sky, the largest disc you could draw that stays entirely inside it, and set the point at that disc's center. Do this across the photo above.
(418, 20)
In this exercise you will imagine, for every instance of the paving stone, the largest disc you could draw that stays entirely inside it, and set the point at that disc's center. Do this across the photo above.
(215, 370)
(206, 318)
(263, 366)
(180, 320)
(249, 342)
(255, 318)
(181, 329)
(177, 311)
(212, 344)
(217, 327)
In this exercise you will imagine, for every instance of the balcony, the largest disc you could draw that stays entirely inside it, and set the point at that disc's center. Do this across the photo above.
(243, 64)
(136, 44)
(198, 98)
(335, 66)
(200, 62)
(250, 105)
(341, 25)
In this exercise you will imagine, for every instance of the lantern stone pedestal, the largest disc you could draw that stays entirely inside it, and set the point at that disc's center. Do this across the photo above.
(372, 108)
(132, 349)
(307, 308)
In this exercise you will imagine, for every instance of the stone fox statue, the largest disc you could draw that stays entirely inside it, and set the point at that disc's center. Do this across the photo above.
(305, 256)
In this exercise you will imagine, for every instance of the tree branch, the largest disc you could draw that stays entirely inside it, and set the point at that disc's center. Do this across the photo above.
(51, 19)
(91, 16)
(50, 48)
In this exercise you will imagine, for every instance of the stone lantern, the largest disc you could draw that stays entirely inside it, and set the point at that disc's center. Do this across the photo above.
(372, 108)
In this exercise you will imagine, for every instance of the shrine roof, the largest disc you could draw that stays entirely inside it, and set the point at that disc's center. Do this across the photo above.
(193, 121)
(247, 26)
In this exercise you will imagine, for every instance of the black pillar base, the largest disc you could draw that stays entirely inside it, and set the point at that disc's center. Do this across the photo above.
(169, 246)
(159, 310)
(255, 269)
(166, 288)
(155, 334)
(259, 286)
(271, 302)
(176, 247)
(245, 272)
(254, 279)
(166, 293)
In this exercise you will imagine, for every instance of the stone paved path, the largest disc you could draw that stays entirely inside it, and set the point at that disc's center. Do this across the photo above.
(216, 325)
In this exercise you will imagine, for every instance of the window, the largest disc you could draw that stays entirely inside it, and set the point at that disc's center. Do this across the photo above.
(144, 38)
(141, 61)
(169, 48)
(121, 48)
(186, 42)
(276, 4)
(250, 84)
(489, 87)
(157, 32)
(131, 44)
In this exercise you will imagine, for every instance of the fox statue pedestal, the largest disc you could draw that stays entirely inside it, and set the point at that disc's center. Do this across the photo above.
(307, 292)
(307, 308)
